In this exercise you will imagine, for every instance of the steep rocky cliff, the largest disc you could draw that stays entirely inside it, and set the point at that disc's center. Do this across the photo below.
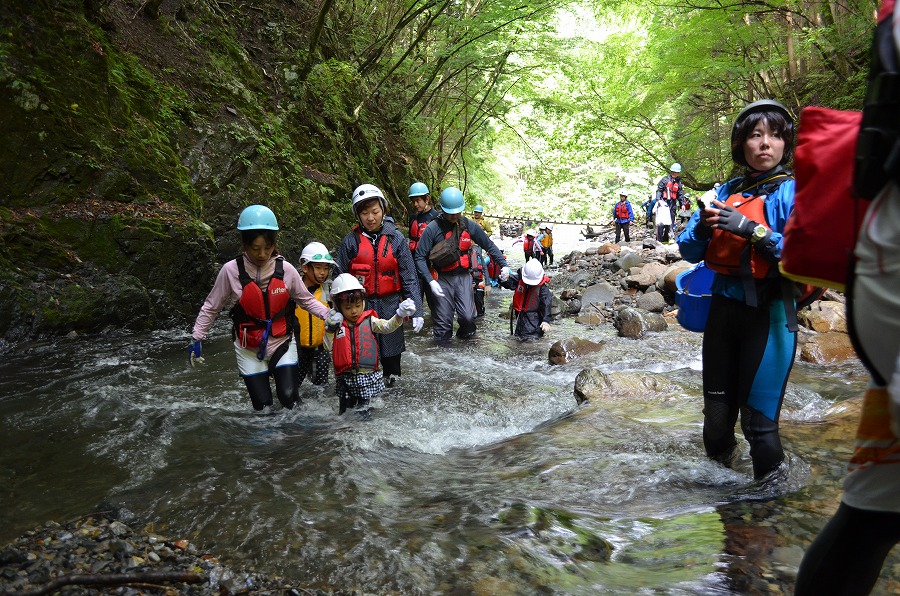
(135, 131)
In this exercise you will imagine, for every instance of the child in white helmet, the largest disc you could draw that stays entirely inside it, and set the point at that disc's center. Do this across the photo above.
(350, 332)
(530, 315)
(316, 265)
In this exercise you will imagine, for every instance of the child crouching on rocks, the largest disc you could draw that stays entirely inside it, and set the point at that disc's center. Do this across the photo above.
(531, 301)
(350, 337)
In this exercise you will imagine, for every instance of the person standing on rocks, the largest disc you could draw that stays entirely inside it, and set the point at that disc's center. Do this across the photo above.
(265, 287)
(748, 347)
(671, 189)
(378, 255)
(446, 246)
(623, 216)
(662, 217)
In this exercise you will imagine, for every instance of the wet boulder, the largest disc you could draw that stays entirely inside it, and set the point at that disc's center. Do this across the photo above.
(566, 350)
(590, 317)
(827, 347)
(824, 316)
(669, 276)
(592, 384)
(636, 323)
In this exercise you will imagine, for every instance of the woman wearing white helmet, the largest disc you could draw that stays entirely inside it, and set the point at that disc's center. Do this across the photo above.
(264, 286)
(351, 335)
(378, 255)
(530, 310)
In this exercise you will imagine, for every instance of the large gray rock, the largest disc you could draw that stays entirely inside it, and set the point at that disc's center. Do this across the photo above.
(651, 302)
(601, 294)
(635, 323)
(627, 259)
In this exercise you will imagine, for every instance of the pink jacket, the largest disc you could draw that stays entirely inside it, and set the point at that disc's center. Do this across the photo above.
(227, 290)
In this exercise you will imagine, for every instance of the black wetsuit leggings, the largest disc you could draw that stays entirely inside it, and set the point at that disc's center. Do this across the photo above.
(286, 387)
(847, 555)
(747, 357)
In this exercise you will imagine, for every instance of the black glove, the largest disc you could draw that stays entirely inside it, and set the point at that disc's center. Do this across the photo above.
(732, 220)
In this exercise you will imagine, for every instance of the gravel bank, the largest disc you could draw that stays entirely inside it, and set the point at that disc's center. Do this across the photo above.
(100, 555)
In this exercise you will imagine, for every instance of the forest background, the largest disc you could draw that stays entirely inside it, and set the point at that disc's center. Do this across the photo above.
(134, 131)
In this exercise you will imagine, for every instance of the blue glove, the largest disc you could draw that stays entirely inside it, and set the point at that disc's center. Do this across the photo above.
(732, 220)
(333, 321)
(195, 351)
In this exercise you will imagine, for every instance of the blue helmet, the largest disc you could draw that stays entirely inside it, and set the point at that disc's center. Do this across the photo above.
(418, 189)
(478, 209)
(452, 200)
(257, 217)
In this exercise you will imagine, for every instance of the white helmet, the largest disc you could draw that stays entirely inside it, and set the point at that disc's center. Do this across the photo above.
(676, 167)
(364, 192)
(549, 226)
(532, 272)
(531, 232)
(315, 252)
(345, 282)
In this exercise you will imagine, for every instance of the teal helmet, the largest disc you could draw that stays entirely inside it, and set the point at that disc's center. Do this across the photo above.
(478, 209)
(257, 217)
(418, 189)
(452, 200)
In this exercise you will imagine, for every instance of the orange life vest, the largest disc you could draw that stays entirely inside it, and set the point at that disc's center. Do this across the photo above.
(526, 297)
(258, 316)
(376, 269)
(465, 245)
(356, 348)
(726, 251)
(547, 239)
(622, 210)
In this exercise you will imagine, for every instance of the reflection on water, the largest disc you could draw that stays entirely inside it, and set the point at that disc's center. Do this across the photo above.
(476, 473)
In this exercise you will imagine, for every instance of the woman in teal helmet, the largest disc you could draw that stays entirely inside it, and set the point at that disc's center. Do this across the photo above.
(263, 288)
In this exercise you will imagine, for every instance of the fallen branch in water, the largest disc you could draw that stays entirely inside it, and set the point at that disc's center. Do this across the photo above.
(118, 579)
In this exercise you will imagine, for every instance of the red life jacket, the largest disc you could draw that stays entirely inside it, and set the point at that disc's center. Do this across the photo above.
(258, 316)
(376, 269)
(725, 251)
(415, 232)
(356, 348)
(465, 246)
(672, 187)
(526, 297)
(493, 269)
(622, 210)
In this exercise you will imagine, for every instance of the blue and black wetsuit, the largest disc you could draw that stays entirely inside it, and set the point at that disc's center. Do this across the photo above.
(748, 349)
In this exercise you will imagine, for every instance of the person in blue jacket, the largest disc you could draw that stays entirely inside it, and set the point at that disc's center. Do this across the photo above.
(748, 342)
(623, 216)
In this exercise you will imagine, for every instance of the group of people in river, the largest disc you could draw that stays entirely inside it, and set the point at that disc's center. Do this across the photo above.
(348, 311)
(380, 278)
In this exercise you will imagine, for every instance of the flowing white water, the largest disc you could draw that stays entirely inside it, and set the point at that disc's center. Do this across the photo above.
(476, 473)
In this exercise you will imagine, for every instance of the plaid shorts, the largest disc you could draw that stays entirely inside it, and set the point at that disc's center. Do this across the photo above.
(356, 390)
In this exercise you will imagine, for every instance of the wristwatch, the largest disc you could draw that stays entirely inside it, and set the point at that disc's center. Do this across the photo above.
(759, 232)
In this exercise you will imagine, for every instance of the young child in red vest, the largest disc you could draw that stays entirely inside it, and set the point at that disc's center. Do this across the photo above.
(350, 337)
(531, 301)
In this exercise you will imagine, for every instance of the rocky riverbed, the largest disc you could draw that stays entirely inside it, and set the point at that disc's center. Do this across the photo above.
(100, 554)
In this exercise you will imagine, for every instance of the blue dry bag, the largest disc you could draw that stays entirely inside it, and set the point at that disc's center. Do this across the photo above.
(693, 296)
